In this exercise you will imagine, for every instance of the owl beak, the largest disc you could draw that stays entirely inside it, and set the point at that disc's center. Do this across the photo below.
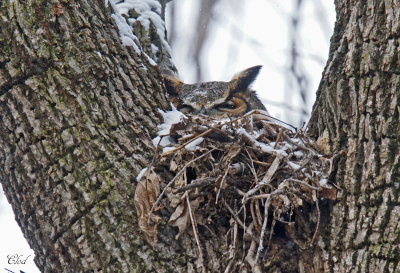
(203, 111)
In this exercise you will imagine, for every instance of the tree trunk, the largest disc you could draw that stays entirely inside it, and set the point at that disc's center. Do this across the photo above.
(356, 115)
(78, 112)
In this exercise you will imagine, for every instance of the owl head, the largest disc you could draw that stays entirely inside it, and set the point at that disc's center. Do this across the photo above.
(216, 99)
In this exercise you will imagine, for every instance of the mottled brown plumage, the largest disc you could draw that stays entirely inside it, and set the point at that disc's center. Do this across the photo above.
(216, 99)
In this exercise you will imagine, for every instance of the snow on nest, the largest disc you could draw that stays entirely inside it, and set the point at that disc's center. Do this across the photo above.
(194, 144)
(170, 117)
(233, 162)
(295, 147)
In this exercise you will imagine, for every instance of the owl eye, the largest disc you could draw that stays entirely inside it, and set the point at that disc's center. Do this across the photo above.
(227, 105)
(235, 106)
(184, 108)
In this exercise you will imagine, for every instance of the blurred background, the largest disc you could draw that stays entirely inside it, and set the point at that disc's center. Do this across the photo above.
(213, 40)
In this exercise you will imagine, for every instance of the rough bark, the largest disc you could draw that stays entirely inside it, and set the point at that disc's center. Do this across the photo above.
(357, 114)
(78, 112)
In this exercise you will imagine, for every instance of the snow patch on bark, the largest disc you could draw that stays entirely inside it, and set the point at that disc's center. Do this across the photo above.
(149, 10)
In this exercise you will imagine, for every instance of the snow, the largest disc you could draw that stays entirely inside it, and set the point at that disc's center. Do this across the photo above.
(293, 165)
(167, 149)
(298, 154)
(167, 140)
(193, 145)
(154, 50)
(323, 182)
(140, 6)
(149, 12)
(141, 173)
(170, 117)
(163, 139)
(128, 38)
(125, 31)
(267, 148)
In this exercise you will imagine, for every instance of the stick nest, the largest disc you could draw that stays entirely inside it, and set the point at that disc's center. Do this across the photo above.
(250, 176)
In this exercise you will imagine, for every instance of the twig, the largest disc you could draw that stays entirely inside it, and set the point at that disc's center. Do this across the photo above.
(241, 193)
(318, 220)
(271, 170)
(196, 233)
(232, 249)
(288, 139)
(264, 227)
(271, 233)
(254, 237)
(278, 138)
(271, 117)
(207, 132)
(261, 163)
(266, 179)
(197, 183)
(254, 216)
(183, 138)
(221, 184)
(186, 143)
(304, 183)
(255, 268)
(172, 181)
(258, 214)
(218, 130)
(253, 170)
(267, 195)
(308, 160)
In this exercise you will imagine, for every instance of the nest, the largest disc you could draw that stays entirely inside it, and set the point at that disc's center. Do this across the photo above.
(252, 172)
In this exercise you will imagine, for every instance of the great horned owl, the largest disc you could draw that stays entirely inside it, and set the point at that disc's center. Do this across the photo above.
(216, 99)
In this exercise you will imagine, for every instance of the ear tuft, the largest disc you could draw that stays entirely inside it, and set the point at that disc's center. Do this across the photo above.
(242, 80)
(172, 84)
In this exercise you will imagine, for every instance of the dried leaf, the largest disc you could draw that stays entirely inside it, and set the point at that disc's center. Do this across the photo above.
(328, 193)
(314, 196)
(146, 193)
(173, 167)
(233, 151)
(174, 199)
(297, 202)
(181, 218)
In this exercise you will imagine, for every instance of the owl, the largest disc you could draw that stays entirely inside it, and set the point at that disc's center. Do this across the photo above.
(216, 99)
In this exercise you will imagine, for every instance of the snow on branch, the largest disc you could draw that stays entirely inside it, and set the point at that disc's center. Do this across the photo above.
(129, 14)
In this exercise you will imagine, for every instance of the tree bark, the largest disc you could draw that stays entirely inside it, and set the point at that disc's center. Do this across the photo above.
(356, 115)
(78, 112)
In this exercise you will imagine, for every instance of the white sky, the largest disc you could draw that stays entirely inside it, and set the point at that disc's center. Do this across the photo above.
(253, 34)
(12, 241)
(258, 33)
